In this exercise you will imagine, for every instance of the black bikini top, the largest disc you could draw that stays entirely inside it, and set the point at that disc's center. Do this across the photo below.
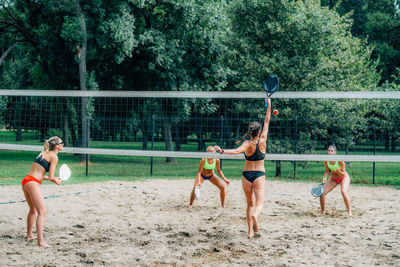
(257, 155)
(42, 162)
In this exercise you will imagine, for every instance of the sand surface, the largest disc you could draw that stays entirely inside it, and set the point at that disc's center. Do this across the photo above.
(115, 224)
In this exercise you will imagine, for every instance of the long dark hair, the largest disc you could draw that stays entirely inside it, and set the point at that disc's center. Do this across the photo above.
(252, 131)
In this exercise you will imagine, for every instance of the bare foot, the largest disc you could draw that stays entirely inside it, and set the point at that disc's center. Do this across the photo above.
(350, 214)
(44, 245)
(250, 234)
(29, 238)
(322, 213)
(255, 223)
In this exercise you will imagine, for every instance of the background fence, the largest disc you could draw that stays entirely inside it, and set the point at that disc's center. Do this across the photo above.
(183, 122)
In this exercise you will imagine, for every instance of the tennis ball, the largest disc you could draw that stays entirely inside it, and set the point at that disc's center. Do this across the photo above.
(275, 112)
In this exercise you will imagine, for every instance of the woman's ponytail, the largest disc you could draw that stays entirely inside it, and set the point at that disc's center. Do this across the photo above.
(252, 131)
(247, 135)
(46, 148)
(49, 144)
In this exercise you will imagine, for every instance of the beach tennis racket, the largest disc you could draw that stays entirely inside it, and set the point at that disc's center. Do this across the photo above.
(317, 190)
(271, 85)
(65, 172)
(197, 192)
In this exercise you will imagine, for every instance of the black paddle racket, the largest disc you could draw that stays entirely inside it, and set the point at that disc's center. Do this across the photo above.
(271, 85)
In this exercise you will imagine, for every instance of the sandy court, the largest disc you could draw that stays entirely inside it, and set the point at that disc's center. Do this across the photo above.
(116, 224)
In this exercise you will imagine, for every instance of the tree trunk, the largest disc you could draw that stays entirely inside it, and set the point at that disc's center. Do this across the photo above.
(348, 164)
(278, 170)
(167, 124)
(227, 131)
(19, 134)
(82, 49)
(387, 141)
(145, 137)
(74, 138)
(4, 55)
(199, 132)
(65, 132)
(394, 143)
(177, 138)
(42, 135)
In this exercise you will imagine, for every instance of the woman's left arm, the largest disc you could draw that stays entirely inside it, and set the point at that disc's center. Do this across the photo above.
(264, 133)
(220, 172)
(53, 164)
(235, 151)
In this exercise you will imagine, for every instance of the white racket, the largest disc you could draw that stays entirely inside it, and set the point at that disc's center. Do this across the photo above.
(65, 172)
(197, 192)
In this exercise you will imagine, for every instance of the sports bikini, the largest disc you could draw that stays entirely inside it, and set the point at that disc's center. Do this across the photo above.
(256, 156)
(333, 167)
(209, 167)
(42, 162)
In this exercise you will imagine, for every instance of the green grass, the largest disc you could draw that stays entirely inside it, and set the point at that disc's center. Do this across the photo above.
(14, 165)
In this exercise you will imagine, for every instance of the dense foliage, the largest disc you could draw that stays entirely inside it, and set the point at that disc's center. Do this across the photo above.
(193, 45)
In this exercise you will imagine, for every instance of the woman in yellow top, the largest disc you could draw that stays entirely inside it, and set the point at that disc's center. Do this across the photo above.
(206, 172)
(338, 176)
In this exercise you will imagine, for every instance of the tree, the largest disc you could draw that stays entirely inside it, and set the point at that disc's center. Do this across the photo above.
(311, 49)
(379, 23)
(179, 48)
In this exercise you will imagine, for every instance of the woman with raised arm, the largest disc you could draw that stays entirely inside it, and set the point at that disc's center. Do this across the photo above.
(206, 172)
(46, 161)
(253, 178)
(338, 176)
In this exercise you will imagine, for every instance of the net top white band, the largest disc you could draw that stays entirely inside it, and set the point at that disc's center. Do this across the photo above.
(197, 94)
(178, 154)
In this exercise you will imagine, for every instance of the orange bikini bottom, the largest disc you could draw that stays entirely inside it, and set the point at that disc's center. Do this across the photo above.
(29, 178)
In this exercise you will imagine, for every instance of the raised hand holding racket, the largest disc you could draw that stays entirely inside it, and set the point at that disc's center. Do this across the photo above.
(271, 85)
(65, 172)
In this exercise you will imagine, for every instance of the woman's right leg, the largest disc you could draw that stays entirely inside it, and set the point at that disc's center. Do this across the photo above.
(259, 193)
(31, 215)
(248, 192)
(344, 187)
(328, 187)
(217, 182)
(37, 199)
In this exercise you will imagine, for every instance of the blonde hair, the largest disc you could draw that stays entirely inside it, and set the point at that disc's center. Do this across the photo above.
(50, 143)
(333, 146)
(209, 148)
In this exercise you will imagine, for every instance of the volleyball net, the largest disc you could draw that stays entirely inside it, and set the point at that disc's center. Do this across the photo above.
(363, 125)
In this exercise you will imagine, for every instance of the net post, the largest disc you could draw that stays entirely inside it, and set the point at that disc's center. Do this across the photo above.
(221, 141)
(153, 128)
(295, 148)
(373, 164)
(87, 145)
